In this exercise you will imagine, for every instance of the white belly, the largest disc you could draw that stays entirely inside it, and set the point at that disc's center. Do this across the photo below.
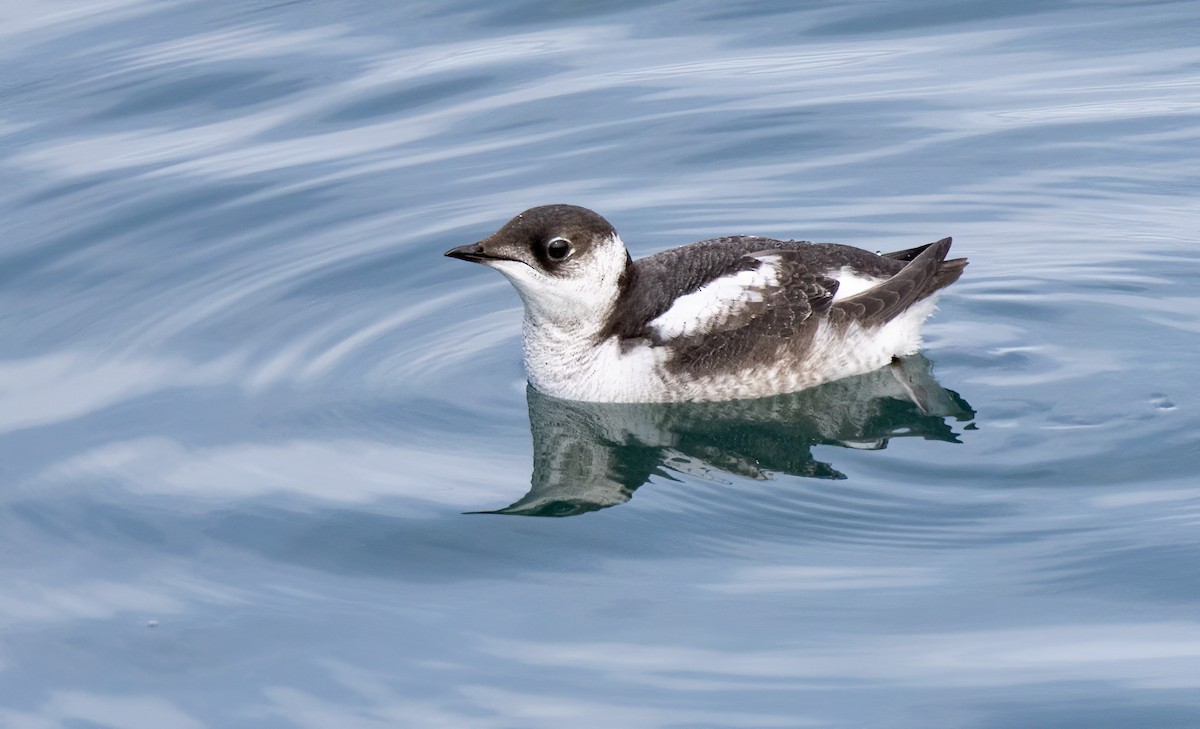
(577, 369)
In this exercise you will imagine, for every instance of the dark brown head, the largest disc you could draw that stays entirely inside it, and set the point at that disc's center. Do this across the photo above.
(565, 261)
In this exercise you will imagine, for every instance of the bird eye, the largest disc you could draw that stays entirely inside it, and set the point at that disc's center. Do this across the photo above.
(558, 249)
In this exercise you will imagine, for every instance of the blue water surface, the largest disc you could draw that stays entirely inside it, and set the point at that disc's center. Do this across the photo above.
(246, 406)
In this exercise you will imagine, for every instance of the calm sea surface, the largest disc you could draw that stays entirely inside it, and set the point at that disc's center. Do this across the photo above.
(250, 416)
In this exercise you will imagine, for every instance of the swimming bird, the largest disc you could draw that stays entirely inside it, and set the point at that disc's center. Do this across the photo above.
(723, 319)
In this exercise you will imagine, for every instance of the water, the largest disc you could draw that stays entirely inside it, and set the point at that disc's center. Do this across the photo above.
(245, 404)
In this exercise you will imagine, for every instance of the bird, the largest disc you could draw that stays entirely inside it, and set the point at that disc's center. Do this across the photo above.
(730, 318)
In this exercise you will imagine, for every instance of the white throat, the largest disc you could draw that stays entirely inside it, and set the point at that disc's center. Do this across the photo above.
(580, 298)
(564, 316)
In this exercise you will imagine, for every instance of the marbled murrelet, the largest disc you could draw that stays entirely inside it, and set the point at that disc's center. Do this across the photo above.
(728, 318)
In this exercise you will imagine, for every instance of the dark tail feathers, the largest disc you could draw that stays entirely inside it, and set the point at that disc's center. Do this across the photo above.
(927, 271)
(946, 274)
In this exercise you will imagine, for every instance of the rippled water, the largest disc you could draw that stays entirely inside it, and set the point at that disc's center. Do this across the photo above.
(245, 405)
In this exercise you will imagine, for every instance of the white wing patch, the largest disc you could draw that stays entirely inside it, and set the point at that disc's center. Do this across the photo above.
(717, 301)
(851, 282)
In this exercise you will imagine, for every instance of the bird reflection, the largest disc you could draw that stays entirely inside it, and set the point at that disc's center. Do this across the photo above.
(589, 456)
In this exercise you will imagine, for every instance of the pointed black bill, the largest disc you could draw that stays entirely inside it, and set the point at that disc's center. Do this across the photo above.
(472, 252)
(476, 252)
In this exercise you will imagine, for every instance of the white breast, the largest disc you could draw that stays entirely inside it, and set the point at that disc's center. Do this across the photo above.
(576, 368)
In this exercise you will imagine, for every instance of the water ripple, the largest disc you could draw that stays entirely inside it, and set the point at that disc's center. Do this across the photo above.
(244, 399)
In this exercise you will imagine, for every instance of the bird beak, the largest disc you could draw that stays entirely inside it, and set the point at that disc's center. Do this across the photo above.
(479, 252)
(472, 252)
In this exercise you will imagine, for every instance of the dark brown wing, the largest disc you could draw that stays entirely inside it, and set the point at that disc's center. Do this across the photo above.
(773, 300)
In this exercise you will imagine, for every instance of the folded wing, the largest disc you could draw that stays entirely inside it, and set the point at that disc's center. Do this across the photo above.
(768, 291)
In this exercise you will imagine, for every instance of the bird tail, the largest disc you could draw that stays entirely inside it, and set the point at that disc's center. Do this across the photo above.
(927, 272)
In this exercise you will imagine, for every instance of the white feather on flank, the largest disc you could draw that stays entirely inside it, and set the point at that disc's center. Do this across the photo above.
(851, 282)
(857, 350)
(717, 300)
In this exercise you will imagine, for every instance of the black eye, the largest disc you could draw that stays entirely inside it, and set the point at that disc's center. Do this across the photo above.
(558, 249)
